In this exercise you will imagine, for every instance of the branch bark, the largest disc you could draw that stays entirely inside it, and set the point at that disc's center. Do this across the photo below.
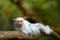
(4, 35)
(56, 29)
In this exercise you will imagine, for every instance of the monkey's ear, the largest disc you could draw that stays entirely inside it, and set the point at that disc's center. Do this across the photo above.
(14, 20)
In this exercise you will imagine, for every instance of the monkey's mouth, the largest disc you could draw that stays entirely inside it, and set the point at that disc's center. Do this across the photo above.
(18, 25)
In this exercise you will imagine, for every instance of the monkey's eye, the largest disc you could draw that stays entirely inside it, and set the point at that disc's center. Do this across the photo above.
(21, 21)
(18, 21)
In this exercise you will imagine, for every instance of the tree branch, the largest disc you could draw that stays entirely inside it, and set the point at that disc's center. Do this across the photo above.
(26, 12)
(4, 35)
(56, 29)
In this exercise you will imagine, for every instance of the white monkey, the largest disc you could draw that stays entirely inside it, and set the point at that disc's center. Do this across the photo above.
(30, 28)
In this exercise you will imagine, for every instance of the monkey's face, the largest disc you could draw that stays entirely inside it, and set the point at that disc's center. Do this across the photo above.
(18, 22)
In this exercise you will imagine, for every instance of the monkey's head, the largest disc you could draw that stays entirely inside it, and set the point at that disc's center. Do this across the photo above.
(18, 21)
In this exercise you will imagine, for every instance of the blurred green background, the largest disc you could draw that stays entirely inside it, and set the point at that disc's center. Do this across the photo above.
(47, 11)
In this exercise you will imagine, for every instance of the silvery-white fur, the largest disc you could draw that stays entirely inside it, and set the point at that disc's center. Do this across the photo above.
(30, 28)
